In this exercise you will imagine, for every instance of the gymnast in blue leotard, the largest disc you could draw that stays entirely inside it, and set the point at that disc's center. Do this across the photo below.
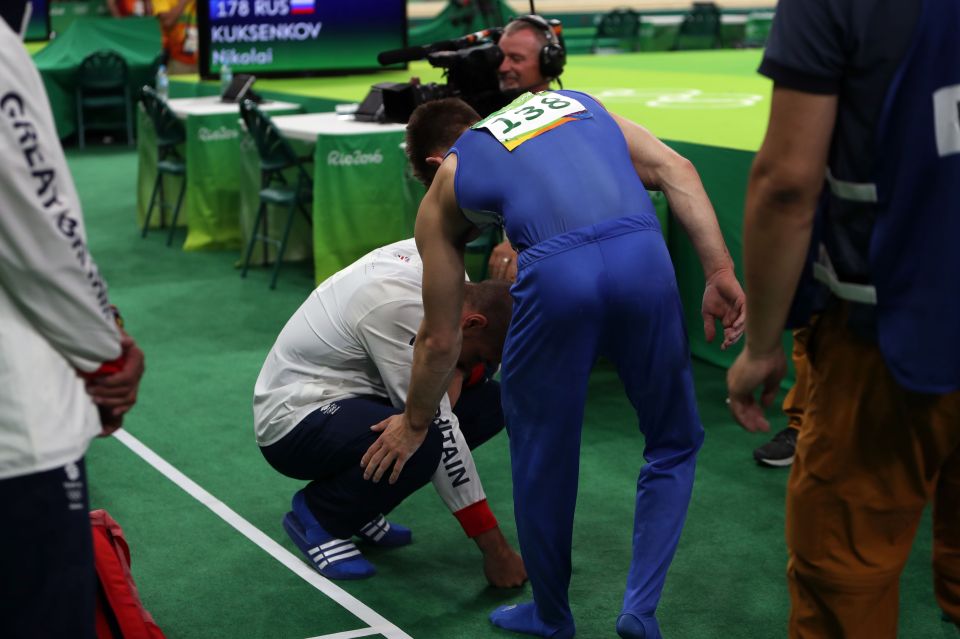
(567, 180)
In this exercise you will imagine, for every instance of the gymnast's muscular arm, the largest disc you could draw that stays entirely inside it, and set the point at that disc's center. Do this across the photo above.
(660, 167)
(441, 234)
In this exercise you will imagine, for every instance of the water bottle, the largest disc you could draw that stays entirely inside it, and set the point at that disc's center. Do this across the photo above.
(163, 82)
(226, 78)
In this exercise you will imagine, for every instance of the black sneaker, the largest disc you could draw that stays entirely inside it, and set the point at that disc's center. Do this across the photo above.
(778, 452)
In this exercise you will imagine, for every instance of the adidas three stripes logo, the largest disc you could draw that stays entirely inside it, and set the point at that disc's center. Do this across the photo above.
(376, 529)
(333, 551)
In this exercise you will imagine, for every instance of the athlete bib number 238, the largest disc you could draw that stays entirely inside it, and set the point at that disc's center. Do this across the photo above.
(530, 115)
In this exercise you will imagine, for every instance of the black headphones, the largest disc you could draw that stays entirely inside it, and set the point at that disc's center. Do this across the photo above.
(552, 55)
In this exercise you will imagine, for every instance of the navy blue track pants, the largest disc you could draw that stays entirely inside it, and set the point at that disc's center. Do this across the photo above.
(326, 448)
(48, 584)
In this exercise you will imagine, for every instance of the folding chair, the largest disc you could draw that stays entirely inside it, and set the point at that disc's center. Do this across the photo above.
(102, 87)
(170, 135)
(276, 156)
(700, 28)
(617, 30)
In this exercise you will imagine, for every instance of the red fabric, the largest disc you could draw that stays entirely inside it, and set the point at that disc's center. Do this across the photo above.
(119, 593)
(476, 376)
(107, 368)
(476, 518)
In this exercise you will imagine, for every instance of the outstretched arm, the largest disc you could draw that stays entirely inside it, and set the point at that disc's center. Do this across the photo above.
(441, 233)
(785, 182)
(662, 168)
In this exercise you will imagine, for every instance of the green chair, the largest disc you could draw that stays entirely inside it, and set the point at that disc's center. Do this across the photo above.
(276, 157)
(700, 28)
(617, 30)
(758, 28)
(102, 87)
(170, 136)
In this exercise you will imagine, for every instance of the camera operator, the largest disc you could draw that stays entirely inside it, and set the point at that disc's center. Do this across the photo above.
(528, 56)
(522, 41)
(532, 59)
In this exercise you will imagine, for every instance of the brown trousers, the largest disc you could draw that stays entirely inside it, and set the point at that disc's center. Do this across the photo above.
(870, 456)
(795, 401)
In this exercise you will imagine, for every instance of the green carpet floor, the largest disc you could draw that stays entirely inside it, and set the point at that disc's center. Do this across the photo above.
(206, 331)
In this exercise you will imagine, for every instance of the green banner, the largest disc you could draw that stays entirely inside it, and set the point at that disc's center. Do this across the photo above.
(361, 198)
(213, 178)
(213, 175)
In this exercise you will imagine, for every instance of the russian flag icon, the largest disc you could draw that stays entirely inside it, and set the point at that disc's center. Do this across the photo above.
(301, 6)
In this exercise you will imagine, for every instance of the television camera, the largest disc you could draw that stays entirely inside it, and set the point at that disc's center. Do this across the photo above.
(470, 68)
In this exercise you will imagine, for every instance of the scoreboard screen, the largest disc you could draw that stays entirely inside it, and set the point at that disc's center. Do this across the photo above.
(298, 37)
(39, 26)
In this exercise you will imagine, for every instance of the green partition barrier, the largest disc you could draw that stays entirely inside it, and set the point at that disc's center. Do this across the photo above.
(724, 174)
(662, 210)
(458, 19)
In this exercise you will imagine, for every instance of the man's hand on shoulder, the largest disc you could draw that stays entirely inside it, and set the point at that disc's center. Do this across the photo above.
(502, 565)
(397, 443)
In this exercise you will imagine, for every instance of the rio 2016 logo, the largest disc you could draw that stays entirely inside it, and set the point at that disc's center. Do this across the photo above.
(355, 158)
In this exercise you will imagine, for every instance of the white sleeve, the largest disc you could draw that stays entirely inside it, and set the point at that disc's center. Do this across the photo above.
(387, 334)
(44, 263)
(456, 478)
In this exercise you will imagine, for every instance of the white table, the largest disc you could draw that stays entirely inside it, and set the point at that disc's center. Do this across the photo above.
(213, 105)
(308, 126)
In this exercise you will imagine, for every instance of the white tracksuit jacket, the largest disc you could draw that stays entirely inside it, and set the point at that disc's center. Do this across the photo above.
(55, 317)
(353, 336)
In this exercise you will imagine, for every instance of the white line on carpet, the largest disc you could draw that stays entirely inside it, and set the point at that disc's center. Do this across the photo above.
(376, 622)
(351, 634)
